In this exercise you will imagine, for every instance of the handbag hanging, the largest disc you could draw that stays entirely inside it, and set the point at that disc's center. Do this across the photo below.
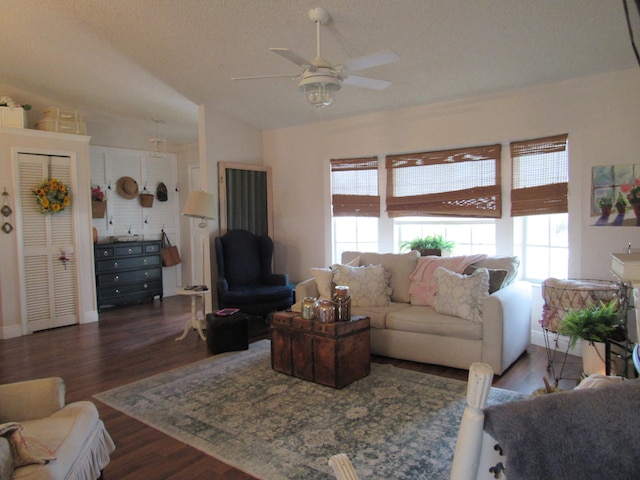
(170, 254)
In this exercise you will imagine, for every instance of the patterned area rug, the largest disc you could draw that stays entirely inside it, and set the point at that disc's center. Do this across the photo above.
(393, 424)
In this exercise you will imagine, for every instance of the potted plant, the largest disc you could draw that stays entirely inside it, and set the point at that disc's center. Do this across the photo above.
(98, 202)
(429, 245)
(606, 204)
(593, 325)
(621, 204)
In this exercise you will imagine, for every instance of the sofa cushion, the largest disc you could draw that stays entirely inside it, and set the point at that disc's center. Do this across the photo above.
(497, 262)
(496, 277)
(424, 319)
(461, 295)
(378, 315)
(369, 286)
(399, 266)
(423, 287)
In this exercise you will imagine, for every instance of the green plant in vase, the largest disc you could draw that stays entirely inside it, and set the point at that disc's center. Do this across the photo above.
(429, 245)
(593, 325)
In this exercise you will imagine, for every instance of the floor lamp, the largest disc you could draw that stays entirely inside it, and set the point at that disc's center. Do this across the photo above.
(201, 205)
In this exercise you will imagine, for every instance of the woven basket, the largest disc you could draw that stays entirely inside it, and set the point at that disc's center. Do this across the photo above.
(146, 200)
(560, 296)
(98, 209)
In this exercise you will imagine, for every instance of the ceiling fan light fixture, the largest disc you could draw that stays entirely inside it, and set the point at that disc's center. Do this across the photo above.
(319, 90)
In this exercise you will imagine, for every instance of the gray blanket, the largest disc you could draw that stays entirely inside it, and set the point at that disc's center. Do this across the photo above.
(583, 434)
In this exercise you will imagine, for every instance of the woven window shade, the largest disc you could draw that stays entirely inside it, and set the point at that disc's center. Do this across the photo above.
(464, 182)
(354, 187)
(540, 176)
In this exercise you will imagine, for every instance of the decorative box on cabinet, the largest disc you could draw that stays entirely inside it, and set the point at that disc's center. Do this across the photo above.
(128, 272)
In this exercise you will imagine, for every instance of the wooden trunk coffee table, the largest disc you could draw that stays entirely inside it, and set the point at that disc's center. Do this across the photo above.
(332, 354)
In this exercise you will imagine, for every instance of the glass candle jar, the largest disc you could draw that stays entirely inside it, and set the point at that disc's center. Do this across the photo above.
(309, 308)
(342, 302)
(326, 311)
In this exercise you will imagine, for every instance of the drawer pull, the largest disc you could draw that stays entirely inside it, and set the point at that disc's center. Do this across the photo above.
(144, 261)
(130, 251)
(146, 285)
(115, 264)
(105, 253)
(117, 291)
(146, 274)
(116, 278)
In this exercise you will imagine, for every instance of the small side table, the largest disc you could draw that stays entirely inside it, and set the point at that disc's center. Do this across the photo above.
(194, 321)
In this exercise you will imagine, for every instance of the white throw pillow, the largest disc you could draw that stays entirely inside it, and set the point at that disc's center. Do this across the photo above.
(461, 295)
(324, 279)
(369, 286)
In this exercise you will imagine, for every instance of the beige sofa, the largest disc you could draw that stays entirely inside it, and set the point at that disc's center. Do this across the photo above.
(73, 433)
(406, 330)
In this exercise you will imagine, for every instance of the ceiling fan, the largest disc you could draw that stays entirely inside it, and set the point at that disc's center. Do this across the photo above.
(320, 79)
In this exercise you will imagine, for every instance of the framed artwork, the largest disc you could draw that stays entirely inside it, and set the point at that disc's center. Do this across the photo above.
(615, 195)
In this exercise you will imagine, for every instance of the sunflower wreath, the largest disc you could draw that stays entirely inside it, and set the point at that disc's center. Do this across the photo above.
(52, 196)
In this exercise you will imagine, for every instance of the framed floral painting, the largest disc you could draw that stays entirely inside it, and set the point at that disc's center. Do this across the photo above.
(615, 195)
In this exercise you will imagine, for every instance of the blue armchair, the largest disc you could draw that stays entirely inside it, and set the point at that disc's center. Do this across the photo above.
(245, 277)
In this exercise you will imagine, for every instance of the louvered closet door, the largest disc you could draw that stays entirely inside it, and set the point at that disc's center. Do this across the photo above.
(49, 287)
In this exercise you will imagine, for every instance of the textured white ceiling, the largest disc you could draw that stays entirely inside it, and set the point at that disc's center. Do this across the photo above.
(134, 60)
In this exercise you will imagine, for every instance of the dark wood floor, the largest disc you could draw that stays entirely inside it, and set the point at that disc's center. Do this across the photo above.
(132, 343)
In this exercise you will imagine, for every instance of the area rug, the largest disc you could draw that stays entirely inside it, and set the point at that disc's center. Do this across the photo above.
(393, 424)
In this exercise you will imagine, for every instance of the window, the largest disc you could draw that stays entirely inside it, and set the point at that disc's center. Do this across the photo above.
(463, 182)
(540, 176)
(542, 244)
(355, 205)
(354, 234)
(471, 235)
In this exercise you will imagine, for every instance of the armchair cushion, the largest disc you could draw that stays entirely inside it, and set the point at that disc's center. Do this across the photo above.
(245, 277)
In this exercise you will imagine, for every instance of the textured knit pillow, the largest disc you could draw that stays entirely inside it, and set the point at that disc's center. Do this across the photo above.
(423, 287)
(461, 295)
(369, 286)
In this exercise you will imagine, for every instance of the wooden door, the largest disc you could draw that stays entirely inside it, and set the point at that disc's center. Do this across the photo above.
(49, 286)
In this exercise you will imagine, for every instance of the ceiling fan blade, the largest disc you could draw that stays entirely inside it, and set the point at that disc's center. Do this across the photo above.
(293, 76)
(295, 58)
(368, 61)
(366, 82)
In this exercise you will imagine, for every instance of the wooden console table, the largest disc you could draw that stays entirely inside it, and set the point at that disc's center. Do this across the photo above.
(332, 354)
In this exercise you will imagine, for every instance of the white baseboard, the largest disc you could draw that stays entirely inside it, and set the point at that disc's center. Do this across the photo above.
(12, 331)
(537, 338)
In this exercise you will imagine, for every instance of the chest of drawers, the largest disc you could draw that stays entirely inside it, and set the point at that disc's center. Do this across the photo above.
(128, 272)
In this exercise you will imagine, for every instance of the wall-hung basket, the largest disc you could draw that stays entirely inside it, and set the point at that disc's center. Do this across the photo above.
(146, 200)
(98, 209)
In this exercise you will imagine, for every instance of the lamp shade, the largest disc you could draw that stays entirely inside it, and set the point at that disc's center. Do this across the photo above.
(200, 205)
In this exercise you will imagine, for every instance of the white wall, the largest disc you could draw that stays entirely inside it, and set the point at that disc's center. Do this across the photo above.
(223, 139)
(601, 114)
